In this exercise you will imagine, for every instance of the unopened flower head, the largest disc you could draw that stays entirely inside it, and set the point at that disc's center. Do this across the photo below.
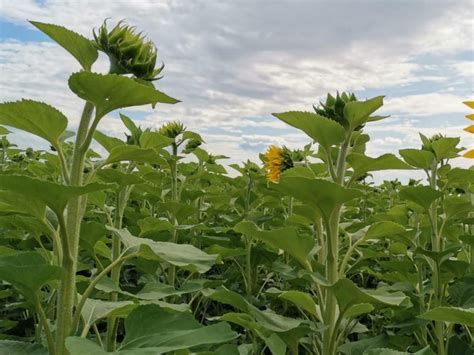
(172, 129)
(427, 143)
(333, 108)
(129, 52)
(277, 160)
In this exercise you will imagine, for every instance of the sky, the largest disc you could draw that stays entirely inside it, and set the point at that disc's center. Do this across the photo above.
(233, 63)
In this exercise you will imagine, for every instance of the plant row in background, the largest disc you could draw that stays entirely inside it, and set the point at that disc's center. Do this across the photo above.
(153, 248)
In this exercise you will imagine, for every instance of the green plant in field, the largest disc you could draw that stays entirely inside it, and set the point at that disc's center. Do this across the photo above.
(146, 245)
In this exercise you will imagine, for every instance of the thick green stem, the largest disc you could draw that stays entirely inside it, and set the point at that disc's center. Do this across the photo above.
(70, 231)
(174, 198)
(332, 258)
(436, 246)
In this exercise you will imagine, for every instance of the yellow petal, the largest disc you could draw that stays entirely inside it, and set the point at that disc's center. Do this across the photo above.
(471, 116)
(469, 103)
(469, 154)
(470, 129)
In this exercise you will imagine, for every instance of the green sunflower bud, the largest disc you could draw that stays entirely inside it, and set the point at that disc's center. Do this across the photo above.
(426, 142)
(333, 108)
(191, 145)
(172, 129)
(129, 52)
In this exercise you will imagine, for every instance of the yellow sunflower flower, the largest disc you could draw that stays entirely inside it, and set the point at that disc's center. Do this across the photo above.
(470, 153)
(274, 163)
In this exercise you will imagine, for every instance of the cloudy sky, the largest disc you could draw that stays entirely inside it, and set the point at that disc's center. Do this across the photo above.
(233, 63)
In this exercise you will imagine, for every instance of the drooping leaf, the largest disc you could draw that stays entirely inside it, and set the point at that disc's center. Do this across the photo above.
(110, 92)
(362, 164)
(422, 159)
(80, 47)
(93, 310)
(384, 229)
(296, 244)
(455, 315)
(421, 195)
(321, 194)
(358, 309)
(184, 256)
(54, 195)
(348, 294)
(107, 142)
(266, 319)
(302, 300)
(323, 130)
(164, 330)
(34, 117)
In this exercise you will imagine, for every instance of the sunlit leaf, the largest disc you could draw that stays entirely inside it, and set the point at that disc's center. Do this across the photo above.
(80, 47)
(34, 117)
(110, 92)
(323, 130)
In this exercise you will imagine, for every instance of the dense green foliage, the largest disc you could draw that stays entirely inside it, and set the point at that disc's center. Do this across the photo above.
(153, 248)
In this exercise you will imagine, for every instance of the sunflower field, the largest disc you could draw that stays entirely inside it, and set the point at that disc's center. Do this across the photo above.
(154, 247)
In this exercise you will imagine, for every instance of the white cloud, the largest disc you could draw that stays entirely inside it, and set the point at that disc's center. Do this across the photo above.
(231, 62)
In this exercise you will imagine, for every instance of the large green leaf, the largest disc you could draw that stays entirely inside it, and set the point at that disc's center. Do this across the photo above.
(445, 147)
(151, 329)
(165, 330)
(384, 229)
(54, 195)
(34, 117)
(11, 202)
(110, 92)
(181, 255)
(461, 176)
(80, 47)
(323, 130)
(321, 194)
(348, 294)
(27, 270)
(154, 140)
(266, 319)
(422, 159)
(358, 112)
(421, 195)
(94, 310)
(362, 164)
(302, 300)
(106, 141)
(296, 244)
(451, 314)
